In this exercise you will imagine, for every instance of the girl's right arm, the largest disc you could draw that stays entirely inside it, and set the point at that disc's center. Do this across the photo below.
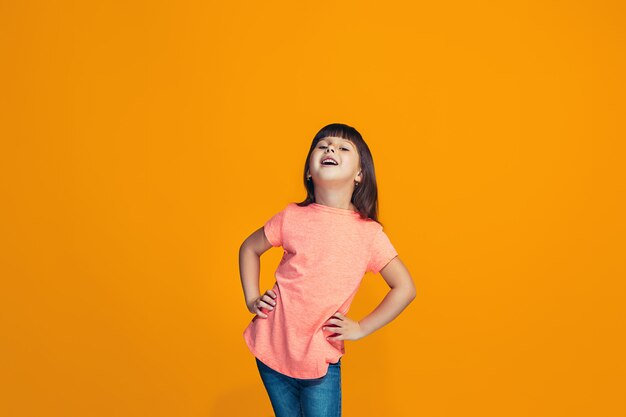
(249, 270)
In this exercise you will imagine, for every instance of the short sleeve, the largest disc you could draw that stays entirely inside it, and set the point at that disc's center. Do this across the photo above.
(381, 252)
(273, 228)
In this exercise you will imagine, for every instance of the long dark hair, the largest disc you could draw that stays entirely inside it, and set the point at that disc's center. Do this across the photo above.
(365, 195)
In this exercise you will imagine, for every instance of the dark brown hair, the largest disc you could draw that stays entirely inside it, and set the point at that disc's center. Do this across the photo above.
(365, 195)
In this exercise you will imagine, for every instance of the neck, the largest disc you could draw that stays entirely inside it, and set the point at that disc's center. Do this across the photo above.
(335, 201)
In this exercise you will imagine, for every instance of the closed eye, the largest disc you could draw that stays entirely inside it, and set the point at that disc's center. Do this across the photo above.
(322, 147)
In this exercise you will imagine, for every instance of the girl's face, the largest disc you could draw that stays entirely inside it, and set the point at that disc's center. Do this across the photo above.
(343, 152)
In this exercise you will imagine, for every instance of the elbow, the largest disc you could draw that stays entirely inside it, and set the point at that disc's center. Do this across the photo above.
(249, 246)
(412, 293)
(408, 291)
(245, 246)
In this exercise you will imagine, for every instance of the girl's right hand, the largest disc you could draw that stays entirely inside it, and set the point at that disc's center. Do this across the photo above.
(264, 301)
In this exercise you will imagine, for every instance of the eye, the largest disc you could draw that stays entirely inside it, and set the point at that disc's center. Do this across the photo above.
(324, 146)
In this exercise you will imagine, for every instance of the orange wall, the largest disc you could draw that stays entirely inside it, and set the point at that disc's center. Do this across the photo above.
(143, 142)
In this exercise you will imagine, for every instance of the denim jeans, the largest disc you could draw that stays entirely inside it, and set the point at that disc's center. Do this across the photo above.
(294, 397)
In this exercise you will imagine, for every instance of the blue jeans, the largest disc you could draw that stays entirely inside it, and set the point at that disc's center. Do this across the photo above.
(294, 397)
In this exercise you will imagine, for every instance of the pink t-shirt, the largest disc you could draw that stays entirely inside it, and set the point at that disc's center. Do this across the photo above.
(327, 251)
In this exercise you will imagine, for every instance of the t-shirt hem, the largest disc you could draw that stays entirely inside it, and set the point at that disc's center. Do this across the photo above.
(386, 262)
(278, 368)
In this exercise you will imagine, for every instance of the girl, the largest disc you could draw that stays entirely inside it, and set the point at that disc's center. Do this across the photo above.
(329, 240)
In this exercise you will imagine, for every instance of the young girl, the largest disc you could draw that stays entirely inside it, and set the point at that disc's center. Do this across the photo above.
(329, 240)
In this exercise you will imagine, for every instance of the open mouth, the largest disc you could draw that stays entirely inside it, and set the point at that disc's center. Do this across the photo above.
(329, 162)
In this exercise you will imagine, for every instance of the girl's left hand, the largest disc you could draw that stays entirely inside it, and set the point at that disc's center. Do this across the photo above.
(346, 328)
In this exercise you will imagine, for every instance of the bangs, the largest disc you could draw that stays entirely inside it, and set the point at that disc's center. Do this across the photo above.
(339, 130)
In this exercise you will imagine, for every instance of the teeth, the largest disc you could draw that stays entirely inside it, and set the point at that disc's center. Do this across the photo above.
(329, 160)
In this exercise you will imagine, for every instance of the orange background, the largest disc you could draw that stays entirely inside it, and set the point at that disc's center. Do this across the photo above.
(144, 141)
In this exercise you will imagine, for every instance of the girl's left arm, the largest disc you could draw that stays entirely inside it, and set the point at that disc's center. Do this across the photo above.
(400, 295)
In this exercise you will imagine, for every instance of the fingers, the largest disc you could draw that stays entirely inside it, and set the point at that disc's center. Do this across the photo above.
(259, 313)
(338, 314)
(334, 325)
(337, 324)
(262, 304)
(338, 330)
(265, 301)
(268, 300)
(338, 337)
(258, 306)
(338, 319)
